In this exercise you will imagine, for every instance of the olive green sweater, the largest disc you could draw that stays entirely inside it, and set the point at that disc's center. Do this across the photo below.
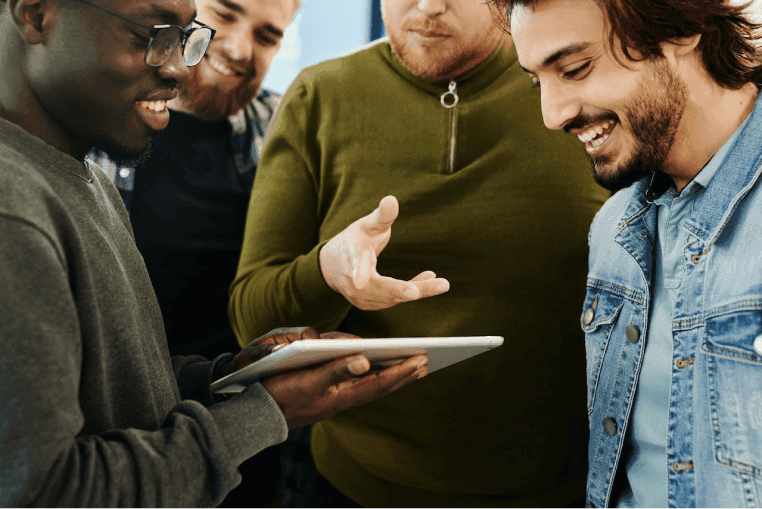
(489, 199)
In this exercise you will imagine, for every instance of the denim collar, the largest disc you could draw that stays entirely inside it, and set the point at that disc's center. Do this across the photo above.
(726, 186)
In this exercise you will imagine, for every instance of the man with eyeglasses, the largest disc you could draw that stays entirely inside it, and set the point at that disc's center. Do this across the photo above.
(188, 197)
(95, 412)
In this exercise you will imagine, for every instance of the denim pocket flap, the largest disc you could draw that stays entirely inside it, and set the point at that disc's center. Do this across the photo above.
(732, 335)
(601, 308)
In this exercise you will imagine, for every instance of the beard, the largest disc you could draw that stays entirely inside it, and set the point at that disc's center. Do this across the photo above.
(438, 65)
(654, 116)
(121, 156)
(208, 101)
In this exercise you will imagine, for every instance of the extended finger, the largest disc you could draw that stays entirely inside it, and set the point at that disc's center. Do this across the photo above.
(338, 335)
(287, 335)
(430, 287)
(382, 218)
(391, 291)
(424, 276)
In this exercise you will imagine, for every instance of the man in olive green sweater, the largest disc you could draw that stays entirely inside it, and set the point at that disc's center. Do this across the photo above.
(442, 118)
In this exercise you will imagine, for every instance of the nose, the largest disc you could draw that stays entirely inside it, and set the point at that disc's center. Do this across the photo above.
(558, 106)
(174, 70)
(432, 7)
(239, 46)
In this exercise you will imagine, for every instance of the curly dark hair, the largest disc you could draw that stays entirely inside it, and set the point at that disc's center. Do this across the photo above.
(729, 45)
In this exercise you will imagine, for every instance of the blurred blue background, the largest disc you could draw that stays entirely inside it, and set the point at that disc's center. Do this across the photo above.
(326, 29)
(323, 29)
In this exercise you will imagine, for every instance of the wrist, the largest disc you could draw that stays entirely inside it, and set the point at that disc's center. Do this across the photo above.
(225, 367)
(323, 262)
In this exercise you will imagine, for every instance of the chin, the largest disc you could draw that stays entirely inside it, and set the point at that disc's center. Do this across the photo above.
(621, 176)
(121, 155)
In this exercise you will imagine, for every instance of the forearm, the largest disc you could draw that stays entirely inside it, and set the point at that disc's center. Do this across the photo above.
(290, 294)
(279, 282)
(192, 461)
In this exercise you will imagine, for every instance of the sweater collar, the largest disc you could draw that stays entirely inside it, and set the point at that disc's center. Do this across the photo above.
(479, 78)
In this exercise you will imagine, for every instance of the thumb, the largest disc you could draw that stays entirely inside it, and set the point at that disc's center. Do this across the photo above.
(382, 218)
(341, 370)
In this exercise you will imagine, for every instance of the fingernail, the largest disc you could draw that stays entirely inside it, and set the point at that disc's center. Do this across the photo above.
(356, 367)
(423, 374)
(443, 287)
(407, 293)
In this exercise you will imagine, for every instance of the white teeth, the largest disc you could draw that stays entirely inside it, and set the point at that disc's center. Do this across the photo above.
(219, 66)
(594, 144)
(593, 132)
(157, 106)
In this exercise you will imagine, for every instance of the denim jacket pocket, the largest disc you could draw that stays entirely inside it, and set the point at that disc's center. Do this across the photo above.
(598, 317)
(734, 382)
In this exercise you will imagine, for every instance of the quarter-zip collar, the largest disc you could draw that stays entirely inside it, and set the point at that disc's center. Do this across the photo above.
(475, 81)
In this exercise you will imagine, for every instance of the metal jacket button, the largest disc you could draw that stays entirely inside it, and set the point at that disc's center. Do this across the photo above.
(609, 425)
(588, 317)
(758, 344)
(589, 505)
(633, 334)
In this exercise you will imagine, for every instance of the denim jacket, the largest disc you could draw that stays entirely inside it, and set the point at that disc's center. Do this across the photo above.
(714, 442)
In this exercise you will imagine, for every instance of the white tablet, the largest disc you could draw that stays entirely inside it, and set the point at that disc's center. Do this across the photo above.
(381, 353)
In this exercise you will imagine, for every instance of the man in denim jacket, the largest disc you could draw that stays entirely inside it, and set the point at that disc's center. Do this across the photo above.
(664, 94)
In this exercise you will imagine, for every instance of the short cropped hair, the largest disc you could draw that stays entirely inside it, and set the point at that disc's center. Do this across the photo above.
(729, 45)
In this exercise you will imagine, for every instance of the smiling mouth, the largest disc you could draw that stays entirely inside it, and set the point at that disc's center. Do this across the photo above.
(219, 65)
(594, 137)
(156, 106)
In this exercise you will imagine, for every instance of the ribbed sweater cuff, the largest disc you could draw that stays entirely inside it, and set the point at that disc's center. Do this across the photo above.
(250, 422)
(312, 287)
(195, 378)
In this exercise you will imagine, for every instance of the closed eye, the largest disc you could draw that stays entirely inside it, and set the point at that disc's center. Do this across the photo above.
(575, 72)
(140, 39)
(224, 16)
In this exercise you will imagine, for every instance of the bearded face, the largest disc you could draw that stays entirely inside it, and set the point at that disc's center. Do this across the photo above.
(440, 40)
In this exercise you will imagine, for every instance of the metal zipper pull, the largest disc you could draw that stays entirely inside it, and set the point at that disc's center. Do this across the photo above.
(451, 92)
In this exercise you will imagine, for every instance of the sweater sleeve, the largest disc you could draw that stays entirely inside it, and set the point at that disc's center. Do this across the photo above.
(46, 458)
(279, 282)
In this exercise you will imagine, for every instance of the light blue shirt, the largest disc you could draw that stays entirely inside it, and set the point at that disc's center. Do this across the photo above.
(644, 454)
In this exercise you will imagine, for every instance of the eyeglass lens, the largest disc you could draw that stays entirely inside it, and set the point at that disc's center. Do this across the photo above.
(166, 40)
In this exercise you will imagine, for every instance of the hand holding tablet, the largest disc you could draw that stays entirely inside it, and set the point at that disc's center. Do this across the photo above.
(317, 392)
(442, 352)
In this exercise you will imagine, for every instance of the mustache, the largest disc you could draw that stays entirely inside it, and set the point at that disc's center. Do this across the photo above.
(585, 120)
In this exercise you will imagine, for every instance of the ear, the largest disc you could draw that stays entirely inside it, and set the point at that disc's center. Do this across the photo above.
(33, 19)
(681, 48)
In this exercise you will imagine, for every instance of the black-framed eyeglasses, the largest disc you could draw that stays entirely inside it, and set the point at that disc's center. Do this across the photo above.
(165, 38)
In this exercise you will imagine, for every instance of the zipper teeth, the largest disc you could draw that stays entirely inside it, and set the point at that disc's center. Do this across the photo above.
(452, 143)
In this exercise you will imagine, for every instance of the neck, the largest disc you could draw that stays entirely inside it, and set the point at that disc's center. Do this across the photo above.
(712, 115)
(18, 103)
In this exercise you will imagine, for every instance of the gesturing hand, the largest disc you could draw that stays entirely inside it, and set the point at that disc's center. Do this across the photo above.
(348, 264)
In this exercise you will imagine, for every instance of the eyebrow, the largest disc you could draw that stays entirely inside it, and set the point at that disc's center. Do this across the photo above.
(169, 17)
(238, 9)
(231, 5)
(564, 52)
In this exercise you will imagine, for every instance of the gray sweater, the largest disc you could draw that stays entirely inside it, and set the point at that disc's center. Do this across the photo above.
(94, 411)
